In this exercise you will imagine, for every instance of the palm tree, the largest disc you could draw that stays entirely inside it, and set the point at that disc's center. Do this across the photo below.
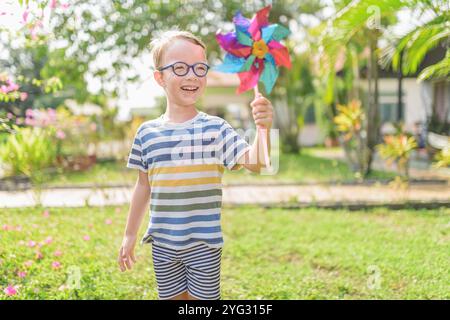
(407, 52)
(359, 22)
(413, 46)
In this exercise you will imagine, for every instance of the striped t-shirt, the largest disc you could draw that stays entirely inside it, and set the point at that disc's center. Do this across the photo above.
(185, 163)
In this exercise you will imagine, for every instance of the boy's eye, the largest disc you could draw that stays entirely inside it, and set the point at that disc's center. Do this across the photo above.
(179, 67)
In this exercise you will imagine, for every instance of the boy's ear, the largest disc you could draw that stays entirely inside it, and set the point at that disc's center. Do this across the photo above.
(159, 78)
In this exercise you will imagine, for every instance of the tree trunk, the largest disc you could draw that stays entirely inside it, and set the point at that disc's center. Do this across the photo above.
(373, 118)
(400, 89)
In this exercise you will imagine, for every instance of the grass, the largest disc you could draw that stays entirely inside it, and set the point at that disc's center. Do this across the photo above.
(268, 254)
(304, 168)
(301, 168)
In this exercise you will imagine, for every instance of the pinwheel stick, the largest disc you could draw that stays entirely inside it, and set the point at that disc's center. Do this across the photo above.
(262, 133)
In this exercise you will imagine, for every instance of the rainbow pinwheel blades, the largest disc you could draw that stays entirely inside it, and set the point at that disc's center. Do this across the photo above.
(254, 51)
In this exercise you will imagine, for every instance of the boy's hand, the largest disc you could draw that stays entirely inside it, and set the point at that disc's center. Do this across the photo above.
(126, 253)
(262, 112)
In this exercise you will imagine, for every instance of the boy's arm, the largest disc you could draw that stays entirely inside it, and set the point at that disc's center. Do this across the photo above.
(253, 159)
(138, 207)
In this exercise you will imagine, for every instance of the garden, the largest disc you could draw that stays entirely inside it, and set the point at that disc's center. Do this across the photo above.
(347, 113)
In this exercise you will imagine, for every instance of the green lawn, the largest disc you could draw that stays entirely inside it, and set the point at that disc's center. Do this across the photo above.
(301, 168)
(269, 253)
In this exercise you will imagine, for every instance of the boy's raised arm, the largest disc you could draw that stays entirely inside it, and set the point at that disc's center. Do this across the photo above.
(138, 207)
(253, 160)
(262, 111)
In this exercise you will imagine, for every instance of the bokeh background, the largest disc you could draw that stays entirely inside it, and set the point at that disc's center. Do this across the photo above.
(358, 207)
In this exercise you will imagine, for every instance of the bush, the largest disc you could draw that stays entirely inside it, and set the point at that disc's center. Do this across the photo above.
(28, 150)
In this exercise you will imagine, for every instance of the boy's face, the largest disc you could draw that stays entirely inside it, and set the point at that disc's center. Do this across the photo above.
(187, 52)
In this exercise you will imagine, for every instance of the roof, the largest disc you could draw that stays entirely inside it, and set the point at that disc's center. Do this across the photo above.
(220, 79)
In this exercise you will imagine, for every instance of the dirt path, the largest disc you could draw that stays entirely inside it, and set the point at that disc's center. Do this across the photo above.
(306, 194)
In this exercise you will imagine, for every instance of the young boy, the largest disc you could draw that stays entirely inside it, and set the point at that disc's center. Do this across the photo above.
(181, 157)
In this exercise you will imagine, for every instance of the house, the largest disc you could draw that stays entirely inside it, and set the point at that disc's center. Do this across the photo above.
(419, 101)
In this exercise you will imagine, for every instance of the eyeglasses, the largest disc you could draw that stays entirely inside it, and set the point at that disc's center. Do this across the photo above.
(181, 69)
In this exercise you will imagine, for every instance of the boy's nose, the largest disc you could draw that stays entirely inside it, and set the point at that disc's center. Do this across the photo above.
(191, 73)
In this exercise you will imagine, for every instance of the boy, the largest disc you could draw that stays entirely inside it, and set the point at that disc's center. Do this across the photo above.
(181, 157)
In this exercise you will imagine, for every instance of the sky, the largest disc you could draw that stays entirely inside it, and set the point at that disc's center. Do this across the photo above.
(142, 94)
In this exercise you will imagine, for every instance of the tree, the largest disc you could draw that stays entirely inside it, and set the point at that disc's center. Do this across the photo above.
(35, 67)
(120, 31)
(406, 53)
(357, 21)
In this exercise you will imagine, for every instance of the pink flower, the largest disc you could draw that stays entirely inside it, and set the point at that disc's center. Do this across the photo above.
(33, 32)
(29, 112)
(30, 121)
(19, 121)
(57, 253)
(48, 240)
(23, 96)
(45, 121)
(19, 228)
(86, 238)
(65, 5)
(21, 274)
(46, 214)
(9, 115)
(39, 255)
(51, 114)
(60, 134)
(56, 264)
(108, 221)
(25, 15)
(31, 243)
(28, 263)
(6, 227)
(10, 290)
(13, 86)
(53, 4)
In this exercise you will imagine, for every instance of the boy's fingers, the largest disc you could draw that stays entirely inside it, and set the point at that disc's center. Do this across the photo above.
(127, 261)
(119, 260)
(133, 258)
(121, 265)
(261, 110)
(262, 105)
(263, 115)
(123, 260)
(260, 100)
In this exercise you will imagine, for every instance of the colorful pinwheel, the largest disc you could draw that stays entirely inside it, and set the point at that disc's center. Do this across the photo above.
(254, 51)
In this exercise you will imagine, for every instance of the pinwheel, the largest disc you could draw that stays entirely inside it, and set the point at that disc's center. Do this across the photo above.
(254, 52)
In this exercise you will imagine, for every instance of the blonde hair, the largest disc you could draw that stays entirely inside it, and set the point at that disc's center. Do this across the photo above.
(163, 39)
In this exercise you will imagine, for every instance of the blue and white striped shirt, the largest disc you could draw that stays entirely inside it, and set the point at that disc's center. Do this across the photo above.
(185, 163)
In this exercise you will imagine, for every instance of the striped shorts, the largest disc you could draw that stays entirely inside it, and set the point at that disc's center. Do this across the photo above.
(195, 269)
